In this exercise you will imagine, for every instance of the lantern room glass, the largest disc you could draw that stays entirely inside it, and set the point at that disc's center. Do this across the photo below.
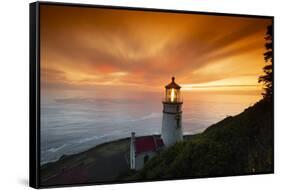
(173, 95)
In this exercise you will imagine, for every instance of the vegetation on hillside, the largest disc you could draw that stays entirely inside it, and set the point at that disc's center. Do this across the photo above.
(237, 145)
(267, 78)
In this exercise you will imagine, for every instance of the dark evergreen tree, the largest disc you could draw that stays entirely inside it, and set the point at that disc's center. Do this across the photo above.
(267, 78)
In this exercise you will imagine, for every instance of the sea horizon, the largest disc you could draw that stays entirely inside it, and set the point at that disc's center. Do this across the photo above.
(72, 125)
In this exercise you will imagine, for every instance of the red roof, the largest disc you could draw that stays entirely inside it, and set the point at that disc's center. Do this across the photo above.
(148, 143)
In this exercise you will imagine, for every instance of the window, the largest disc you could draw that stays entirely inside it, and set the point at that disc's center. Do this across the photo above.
(178, 118)
(145, 158)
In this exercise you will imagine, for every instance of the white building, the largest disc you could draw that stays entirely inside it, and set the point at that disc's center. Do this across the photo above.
(142, 149)
(145, 147)
(172, 114)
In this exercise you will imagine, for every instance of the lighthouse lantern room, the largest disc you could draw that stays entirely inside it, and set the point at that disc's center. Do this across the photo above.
(172, 92)
(172, 114)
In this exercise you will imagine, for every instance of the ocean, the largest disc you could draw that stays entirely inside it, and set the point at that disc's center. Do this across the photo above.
(74, 124)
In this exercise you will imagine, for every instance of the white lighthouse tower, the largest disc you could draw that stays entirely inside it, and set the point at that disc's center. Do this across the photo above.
(172, 114)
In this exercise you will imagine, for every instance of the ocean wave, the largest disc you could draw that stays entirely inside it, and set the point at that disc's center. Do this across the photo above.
(53, 150)
(146, 117)
(87, 139)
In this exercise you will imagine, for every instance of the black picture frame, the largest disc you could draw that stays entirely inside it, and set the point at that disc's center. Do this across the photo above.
(35, 93)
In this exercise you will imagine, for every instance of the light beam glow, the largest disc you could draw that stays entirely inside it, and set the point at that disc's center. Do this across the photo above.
(172, 95)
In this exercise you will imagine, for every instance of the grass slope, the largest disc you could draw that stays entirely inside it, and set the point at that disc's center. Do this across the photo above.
(237, 145)
(103, 163)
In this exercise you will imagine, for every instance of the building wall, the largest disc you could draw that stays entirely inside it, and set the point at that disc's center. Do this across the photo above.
(171, 124)
(139, 160)
(132, 152)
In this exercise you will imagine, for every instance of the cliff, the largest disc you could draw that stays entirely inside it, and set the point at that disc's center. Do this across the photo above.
(237, 145)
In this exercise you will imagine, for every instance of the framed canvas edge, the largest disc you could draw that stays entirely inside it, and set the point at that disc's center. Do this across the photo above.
(35, 95)
(84, 5)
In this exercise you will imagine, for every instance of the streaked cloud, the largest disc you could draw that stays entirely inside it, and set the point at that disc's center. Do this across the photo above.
(85, 47)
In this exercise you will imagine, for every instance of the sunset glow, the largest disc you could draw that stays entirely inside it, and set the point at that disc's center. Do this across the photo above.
(88, 48)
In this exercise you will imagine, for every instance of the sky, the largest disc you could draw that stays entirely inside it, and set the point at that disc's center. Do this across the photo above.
(88, 48)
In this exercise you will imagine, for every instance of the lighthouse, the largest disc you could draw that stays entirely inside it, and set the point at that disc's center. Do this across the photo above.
(172, 114)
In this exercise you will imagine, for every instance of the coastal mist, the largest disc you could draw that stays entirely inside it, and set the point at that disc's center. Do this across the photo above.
(71, 123)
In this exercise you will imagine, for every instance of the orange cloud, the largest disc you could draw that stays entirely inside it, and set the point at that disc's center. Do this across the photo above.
(81, 47)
